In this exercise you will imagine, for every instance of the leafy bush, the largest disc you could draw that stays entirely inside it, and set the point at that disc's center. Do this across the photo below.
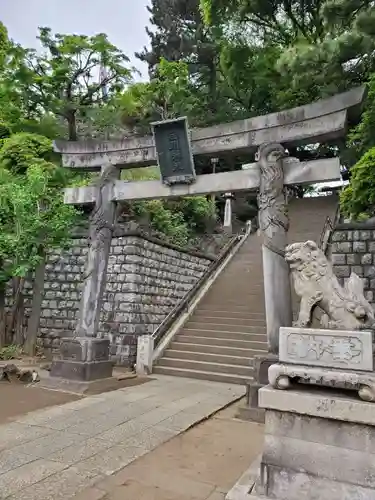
(19, 150)
(167, 222)
(5, 131)
(198, 212)
(362, 137)
(10, 352)
(359, 197)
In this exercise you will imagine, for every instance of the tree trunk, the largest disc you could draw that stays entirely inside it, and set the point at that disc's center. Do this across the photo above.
(19, 325)
(72, 126)
(2, 316)
(213, 86)
(33, 323)
(18, 285)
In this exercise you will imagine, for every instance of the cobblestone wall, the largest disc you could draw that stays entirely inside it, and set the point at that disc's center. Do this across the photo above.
(353, 249)
(146, 278)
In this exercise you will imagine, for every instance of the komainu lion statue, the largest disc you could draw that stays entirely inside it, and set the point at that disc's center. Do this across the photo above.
(344, 308)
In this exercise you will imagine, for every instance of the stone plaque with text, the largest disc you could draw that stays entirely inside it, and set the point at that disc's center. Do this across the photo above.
(173, 151)
(351, 350)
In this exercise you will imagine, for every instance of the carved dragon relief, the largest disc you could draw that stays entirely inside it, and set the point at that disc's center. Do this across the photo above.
(100, 227)
(101, 230)
(344, 308)
(98, 218)
(273, 218)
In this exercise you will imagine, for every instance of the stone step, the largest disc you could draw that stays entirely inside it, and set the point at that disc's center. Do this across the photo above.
(214, 349)
(236, 295)
(232, 299)
(202, 375)
(240, 321)
(233, 295)
(227, 305)
(217, 341)
(206, 366)
(207, 357)
(223, 334)
(218, 326)
(215, 311)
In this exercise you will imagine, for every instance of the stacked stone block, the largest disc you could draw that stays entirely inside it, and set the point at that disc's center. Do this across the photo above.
(146, 279)
(353, 250)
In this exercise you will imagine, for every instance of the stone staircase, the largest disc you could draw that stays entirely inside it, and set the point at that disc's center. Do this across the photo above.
(228, 327)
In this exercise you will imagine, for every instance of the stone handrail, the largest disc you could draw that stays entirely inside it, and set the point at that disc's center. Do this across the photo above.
(326, 234)
(328, 229)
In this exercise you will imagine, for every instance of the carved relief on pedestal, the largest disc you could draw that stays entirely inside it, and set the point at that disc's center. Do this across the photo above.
(344, 308)
(282, 377)
(331, 348)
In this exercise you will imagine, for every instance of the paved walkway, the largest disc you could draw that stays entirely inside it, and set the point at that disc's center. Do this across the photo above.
(201, 464)
(57, 452)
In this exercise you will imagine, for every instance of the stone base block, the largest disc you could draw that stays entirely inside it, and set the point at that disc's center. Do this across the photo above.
(251, 411)
(77, 370)
(84, 359)
(79, 387)
(282, 377)
(250, 414)
(319, 445)
(84, 349)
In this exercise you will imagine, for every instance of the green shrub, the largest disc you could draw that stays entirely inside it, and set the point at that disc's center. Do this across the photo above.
(359, 196)
(5, 131)
(19, 150)
(165, 221)
(10, 352)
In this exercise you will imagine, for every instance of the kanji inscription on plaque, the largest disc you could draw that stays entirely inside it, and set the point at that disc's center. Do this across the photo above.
(330, 348)
(173, 150)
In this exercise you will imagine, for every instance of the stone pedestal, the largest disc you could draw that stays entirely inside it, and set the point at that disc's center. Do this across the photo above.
(83, 359)
(250, 410)
(145, 350)
(319, 445)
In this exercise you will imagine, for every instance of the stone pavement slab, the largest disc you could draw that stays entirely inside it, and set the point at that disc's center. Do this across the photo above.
(201, 464)
(57, 452)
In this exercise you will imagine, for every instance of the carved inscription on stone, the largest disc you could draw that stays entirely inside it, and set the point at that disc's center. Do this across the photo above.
(173, 148)
(175, 152)
(330, 348)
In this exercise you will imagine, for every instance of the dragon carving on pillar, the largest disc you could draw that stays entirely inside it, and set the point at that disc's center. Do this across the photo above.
(273, 218)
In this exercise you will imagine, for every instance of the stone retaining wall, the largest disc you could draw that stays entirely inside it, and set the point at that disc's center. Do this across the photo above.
(146, 279)
(353, 250)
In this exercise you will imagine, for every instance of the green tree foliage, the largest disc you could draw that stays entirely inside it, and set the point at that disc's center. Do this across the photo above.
(178, 221)
(342, 56)
(179, 34)
(19, 150)
(249, 76)
(5, 131)
(4, 42)
(169, 95)
(325, 46)
(65, 81)
(359, 197)
(362, 137)
(33, 216)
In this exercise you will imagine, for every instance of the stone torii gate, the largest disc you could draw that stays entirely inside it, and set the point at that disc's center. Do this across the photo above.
(85, 357)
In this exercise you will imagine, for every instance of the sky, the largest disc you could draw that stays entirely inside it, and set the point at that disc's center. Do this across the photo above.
(123, 21)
